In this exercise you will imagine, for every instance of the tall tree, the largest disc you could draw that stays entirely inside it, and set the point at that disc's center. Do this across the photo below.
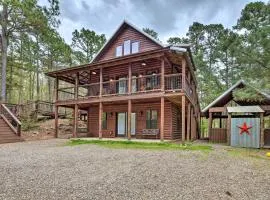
(88, 43)
(151, 32)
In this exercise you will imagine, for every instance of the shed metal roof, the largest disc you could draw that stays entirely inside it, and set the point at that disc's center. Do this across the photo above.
(245, 109)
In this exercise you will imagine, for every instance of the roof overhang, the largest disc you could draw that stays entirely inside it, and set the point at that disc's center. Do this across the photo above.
(245, 109)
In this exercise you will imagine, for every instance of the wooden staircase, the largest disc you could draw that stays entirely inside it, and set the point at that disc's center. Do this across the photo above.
(10, 126)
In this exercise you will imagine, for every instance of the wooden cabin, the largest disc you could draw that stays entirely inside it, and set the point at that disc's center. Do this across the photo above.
(135, 87)
(239, 122)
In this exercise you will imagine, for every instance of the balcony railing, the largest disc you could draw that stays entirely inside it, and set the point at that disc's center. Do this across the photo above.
(140, 84)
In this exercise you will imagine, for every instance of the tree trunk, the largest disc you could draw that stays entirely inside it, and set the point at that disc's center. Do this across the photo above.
(4, 46)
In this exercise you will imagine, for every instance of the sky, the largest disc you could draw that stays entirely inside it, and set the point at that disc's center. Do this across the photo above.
(169, 18)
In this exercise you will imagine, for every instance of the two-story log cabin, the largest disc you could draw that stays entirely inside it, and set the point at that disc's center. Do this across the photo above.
(135, 87)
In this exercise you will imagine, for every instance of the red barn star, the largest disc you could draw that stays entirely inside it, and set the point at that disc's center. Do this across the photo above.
(244, 129)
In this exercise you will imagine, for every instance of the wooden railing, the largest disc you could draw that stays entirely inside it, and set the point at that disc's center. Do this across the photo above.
(10, 119)
(140, 84)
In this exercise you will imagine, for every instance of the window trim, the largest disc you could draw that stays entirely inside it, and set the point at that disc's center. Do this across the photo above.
(128, 47)
(119, 51)
(104, 121)
(132, 48)
(151, 119)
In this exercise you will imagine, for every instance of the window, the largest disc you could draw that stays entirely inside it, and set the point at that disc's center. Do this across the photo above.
(127, 47)
(135, 47)
(119, 51)
(104, 120)
(151, 119)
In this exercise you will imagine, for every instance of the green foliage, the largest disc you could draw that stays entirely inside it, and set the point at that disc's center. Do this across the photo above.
(29, 124)
(88, 43)
(151, 32)
(142, 145)
(247, 94)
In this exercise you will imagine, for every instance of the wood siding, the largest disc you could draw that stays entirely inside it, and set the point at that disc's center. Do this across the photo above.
(139, 109)
(128, 33)
(218, 135)
(176, 123)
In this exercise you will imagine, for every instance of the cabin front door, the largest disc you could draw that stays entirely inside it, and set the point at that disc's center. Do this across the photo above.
(122, 124)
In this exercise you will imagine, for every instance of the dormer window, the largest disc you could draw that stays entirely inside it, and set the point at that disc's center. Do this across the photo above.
(119, 51)
(135, 47)
(127, 47)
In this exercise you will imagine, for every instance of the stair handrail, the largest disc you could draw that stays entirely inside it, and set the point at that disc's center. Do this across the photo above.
(4, 110)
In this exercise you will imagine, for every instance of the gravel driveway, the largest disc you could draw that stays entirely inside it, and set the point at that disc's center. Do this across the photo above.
(50, 170)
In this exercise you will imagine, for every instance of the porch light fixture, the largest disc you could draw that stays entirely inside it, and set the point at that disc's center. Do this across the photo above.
(143, 64)
(111, 79)
(94, 73)
(140, 75)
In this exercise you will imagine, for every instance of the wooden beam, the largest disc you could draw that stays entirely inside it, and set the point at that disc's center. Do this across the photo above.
(162, 74)
(100, 82)
(262, 129)
(184, 73)
(188, 122)
(75, 126)
(100, 120)
(56, 121)
(183, 118)
(210, 121)
(76, 92)
(229, 128)
(129, 78)
(162, 119)
(129, 120)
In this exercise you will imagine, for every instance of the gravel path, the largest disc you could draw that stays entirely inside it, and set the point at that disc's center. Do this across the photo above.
(50, 170)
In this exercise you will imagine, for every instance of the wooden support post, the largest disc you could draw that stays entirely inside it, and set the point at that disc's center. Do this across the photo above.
(75, 126)
(56, 121)
(183, 74)
(262, 129)
(129, 79)
(88, 122)
(100, 120)
(56, 86)
(76, 92)
(162, 74)
(100, 82)
(229, 128)
(210, 121)
(183, 118)
(188, 121)
(129, 120)
(162, 118)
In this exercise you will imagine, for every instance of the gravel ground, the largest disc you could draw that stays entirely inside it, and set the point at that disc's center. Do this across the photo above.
(50, 170)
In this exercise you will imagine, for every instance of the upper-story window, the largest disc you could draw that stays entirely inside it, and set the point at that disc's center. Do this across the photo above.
(127, 47)
(119, 51)
(135, 47)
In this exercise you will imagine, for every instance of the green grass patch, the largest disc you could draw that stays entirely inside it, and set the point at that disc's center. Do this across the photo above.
(141, 145)
(248, 153)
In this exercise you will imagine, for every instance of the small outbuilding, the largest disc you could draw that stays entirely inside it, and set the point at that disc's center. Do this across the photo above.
(239, 120)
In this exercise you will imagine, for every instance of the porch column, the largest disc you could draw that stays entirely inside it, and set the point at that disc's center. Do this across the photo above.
(56, 107)
(75, 125)
(129, 120)
(129, 79)
(88, 122)
(229, 129)
(210, 121)
(262, 129)
(183, 73)
(183, 118)
(100, 120)
(162, 75)
(56, 121)
(100, 82)
(188, 121)
(162, 119)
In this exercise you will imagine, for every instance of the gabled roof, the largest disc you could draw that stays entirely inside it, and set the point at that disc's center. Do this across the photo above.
(118, 30)
(228, 95)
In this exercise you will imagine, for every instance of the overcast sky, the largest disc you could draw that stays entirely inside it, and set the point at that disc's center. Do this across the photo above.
(167, 17)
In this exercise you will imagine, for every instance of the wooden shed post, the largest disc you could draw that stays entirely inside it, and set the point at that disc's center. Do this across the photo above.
(162, 74)
(162, 118)
(262, 129)
(56, 107)
(75, 126)
(229, 128)
(100, 120)
(188, 121)
(183, 118)
(129, 120)
(210, 121)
